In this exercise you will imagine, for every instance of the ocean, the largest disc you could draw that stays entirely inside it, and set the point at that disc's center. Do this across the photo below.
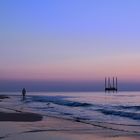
(118, 110)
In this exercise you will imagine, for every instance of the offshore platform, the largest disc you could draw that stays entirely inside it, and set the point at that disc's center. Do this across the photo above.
(111, 84)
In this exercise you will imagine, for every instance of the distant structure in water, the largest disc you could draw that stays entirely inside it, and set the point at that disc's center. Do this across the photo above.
(111, 85)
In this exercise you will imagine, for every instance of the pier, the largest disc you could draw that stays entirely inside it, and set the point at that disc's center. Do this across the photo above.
(111, 85)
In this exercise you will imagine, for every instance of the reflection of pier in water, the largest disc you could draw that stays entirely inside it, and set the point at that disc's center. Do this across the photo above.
(111, 85)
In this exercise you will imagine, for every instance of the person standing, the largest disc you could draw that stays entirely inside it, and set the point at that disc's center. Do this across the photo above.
(23, 93)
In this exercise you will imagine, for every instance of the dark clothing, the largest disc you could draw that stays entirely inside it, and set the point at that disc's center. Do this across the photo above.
(23, 92)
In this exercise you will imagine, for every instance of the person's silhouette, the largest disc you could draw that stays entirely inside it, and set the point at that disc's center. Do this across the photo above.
(23, 93)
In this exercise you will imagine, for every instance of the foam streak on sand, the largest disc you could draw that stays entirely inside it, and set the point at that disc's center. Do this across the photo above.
(57, 128)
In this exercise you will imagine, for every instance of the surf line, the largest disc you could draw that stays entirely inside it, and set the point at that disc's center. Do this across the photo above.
(93, 124)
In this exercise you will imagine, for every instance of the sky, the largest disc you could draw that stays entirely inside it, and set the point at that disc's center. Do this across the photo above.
(66, 45)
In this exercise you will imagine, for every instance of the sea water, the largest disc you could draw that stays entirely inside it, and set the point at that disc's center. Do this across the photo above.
(118, 110)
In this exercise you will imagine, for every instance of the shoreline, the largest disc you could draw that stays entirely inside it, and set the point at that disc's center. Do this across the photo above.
(18, 116)
(26, 125)
(58, 128)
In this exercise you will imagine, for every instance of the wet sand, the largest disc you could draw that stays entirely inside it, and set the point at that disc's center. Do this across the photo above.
(27, 125)
(20, 117)
(59, 129)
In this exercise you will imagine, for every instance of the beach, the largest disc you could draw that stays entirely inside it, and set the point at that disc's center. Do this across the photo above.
(69, 70)
(21, 123)
(57, 129)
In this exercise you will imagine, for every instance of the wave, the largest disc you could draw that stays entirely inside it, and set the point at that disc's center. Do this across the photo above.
(131, 115)
(60, 101)
(121, 110)
(129, 107)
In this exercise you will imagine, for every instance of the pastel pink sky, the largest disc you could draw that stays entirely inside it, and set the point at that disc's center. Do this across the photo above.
(70, 41)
